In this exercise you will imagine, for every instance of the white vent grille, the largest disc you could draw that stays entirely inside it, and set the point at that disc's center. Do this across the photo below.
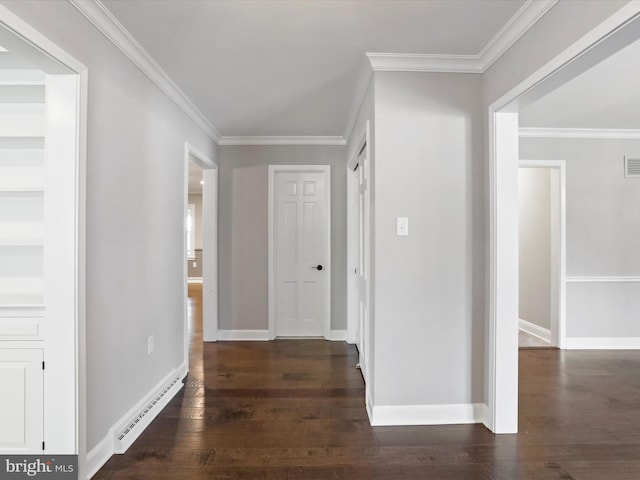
(631, 167)
(134, 428)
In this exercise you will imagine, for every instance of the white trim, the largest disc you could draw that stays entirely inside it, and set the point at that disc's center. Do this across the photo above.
(558, 330)
(450, 414)
(244, 335)
(108, 446)
(337, 335)
(535, 330)
(424, 62)
(607, 37)
(603, 279)
(103, 19)
(517, 26)
(522, 21)
(161, 393)
(364, 81)
(603, 343)
(282, 140)
(326, 171)
(600, 133)
(194, 280)
(100, 454)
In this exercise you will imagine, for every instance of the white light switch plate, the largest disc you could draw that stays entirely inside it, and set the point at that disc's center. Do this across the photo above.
(402, 226)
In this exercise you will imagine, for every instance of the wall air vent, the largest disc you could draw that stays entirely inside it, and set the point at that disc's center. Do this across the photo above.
(632, 167)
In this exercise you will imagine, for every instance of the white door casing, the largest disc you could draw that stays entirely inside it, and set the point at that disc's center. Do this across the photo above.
(361, 270)
(559, 271)
(299, 251)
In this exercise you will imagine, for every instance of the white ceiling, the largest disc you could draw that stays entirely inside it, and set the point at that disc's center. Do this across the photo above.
(290, 68)
(607, 96)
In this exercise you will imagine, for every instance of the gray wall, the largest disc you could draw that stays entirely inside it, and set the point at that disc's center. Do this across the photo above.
(534, 191)
(243, 221)
(603, 232)
(135, 257)
(429, 289)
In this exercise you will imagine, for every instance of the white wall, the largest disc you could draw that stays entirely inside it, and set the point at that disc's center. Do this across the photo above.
(534, 191)
(135, 257)
(603, 233)
(243, 250)
(429, 289)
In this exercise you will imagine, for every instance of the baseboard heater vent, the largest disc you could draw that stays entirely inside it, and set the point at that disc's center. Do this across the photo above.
(631, 167)
(133, 429)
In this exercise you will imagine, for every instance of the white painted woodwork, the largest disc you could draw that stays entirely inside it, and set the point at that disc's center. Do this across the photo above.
(300, 243)
(21, 402)
(362, 270)
(38, 215)
(502, 414)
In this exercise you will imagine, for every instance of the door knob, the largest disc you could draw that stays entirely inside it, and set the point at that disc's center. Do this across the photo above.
(318, 267)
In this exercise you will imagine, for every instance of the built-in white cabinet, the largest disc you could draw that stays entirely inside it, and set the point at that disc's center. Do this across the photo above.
(21, 415)
(23, 192)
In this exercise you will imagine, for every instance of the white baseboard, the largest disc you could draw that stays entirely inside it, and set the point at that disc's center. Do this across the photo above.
(369, 405)
(337, 336)
(194, 280)
(243, 335)
(100, 454)
(602, 343)
(151, 404)
(397, 415)
(535, 330)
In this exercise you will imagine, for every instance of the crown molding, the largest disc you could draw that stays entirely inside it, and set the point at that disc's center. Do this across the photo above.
(522, 21)
(309, 140)
(602, 133)
(511, 32)
(99, 15)
(424, 62)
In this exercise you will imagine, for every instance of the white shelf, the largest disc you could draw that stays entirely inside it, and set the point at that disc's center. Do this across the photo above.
(21, 300)
(21, 77)
(22, 119)
(21, 179)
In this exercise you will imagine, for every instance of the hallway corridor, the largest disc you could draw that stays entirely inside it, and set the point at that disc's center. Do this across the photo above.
(294, 410)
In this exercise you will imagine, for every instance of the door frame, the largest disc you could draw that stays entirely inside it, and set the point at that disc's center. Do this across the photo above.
(363, 140)
(618, 31)
(209, 244)
(273, 171)
(72, 83)
(558, 321)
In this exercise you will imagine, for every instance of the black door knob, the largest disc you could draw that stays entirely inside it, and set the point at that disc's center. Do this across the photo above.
(319, 267)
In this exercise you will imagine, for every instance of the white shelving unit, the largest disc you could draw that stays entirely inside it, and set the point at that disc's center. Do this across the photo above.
(22, 191)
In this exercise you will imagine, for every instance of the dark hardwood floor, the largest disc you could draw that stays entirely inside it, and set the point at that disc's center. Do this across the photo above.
(294, 409)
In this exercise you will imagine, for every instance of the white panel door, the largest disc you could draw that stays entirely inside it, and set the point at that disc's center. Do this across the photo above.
(21, 402)
(300, 253)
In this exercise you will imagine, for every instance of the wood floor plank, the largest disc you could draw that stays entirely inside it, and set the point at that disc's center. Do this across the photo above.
(294, 410)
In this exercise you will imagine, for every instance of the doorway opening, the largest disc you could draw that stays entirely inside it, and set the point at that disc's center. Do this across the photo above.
(502, 340)
(542, 253)
(200, 241)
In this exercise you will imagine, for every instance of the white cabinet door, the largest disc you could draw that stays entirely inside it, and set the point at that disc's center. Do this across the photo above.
(21, 401)
(301, 263)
